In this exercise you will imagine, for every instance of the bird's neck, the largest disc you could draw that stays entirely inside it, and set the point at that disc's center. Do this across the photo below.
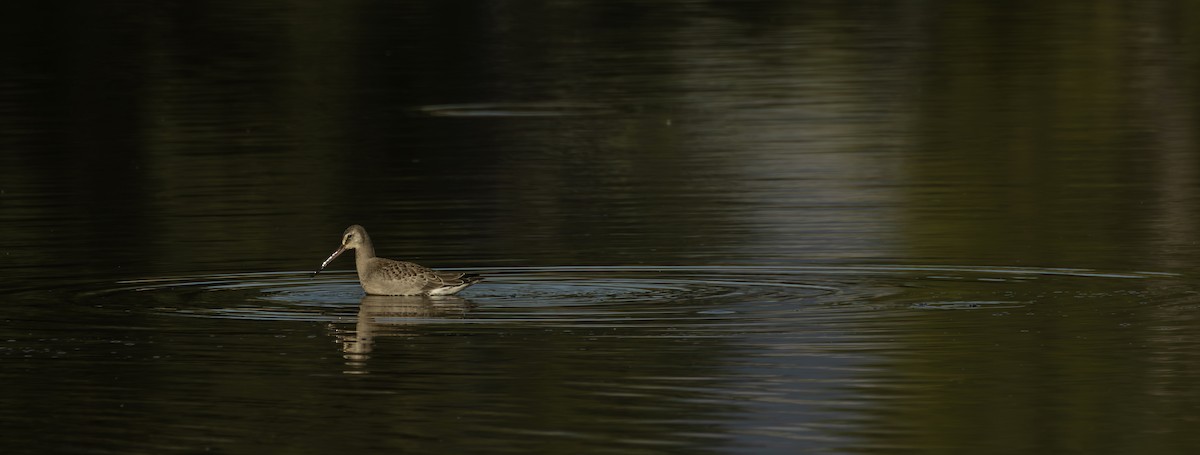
(362, 254)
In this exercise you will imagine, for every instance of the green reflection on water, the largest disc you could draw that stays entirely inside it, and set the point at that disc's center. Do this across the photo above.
(243, 136)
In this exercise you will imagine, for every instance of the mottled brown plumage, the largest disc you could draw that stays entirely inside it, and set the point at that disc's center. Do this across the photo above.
(380, 276)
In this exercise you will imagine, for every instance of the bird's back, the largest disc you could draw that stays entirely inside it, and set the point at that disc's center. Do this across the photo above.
(390, 277)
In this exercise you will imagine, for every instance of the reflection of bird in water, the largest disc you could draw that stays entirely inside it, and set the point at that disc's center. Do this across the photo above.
(380, 276)
(392, 315)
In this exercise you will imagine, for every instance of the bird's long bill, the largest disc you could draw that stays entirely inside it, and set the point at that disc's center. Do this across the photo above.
(340, 250)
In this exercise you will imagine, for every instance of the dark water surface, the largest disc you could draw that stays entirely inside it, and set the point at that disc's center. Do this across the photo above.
(706, 227)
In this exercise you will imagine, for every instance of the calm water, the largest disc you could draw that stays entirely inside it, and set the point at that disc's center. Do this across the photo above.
(707, 227)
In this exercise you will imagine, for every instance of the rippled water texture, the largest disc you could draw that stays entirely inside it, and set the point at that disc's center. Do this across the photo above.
(754, 227)
(689, 358)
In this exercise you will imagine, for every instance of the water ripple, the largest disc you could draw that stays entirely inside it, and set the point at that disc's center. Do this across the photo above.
(529, 109)
(739, 297)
